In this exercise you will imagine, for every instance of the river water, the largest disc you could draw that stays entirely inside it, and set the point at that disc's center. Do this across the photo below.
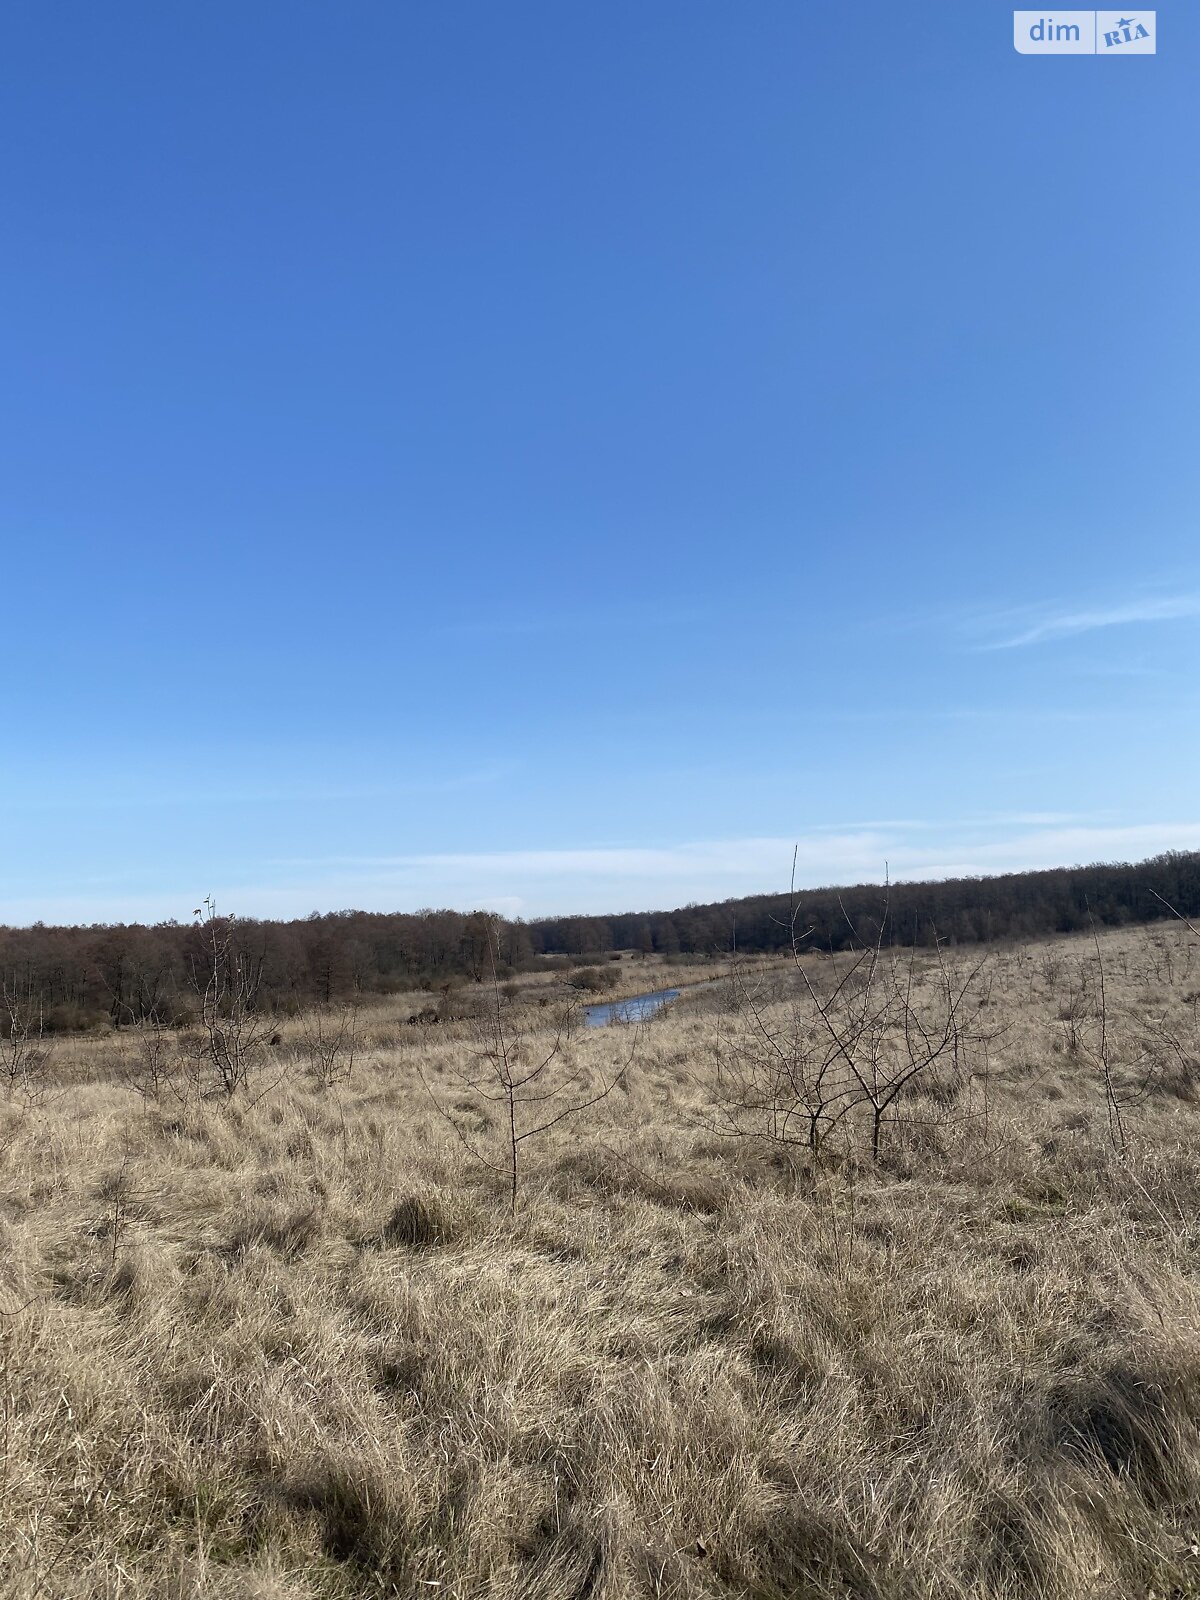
(640, 1008)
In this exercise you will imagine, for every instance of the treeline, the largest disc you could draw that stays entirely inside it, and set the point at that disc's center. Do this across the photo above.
(78, 977)
(82, 976)
(1015, 905)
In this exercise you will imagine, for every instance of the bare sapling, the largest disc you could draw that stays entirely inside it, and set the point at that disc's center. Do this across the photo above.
(331, 1042)
(25, 1050)
(523, 1084)
(156, 1064)
(119, 1191)
(860, 1035)
(780, 1078)
(227, 978)
(1172, 1035)
(1133, 1086)
(899, 1026)
(1112, 1101)
(893, 1022)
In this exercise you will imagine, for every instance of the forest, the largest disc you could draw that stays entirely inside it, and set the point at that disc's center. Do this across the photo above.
(82, 977)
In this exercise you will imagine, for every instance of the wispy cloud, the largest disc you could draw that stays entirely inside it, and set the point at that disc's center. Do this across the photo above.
(1047, 623)
(615, 877)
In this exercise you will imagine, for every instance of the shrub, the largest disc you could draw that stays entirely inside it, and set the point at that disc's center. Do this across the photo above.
(593, 979)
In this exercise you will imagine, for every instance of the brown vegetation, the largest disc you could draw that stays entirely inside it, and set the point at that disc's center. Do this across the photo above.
(292, 1339)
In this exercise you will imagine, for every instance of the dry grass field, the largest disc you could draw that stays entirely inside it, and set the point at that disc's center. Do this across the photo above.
(299, 1343)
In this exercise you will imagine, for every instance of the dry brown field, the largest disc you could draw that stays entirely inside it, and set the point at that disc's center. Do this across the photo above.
(299, 1342)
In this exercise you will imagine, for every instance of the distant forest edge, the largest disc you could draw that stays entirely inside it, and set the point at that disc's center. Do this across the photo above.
(85, 976)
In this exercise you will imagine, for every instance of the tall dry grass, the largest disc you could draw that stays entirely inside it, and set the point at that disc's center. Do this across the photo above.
(299, 1345)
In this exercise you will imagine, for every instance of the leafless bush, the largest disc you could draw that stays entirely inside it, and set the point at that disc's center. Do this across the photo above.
(780, 1076)
(904, 1027)
(156, 1066)
(1052, 967)
(1075, 1011)
(1131, 1087)
(227, 979)
(855, 1039)
(594, 979)
(331, 1043)
(25, 1051)
(534, 1086)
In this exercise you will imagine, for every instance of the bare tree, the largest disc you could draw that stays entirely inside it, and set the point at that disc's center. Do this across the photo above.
(780, 1077)
(527, 1086)
(1116, 1123)
(156, 1064)
(898, 1029)
(227, 978)
(24, 1049)
(1141, 1071)
(857, 1037)
(331, 1042)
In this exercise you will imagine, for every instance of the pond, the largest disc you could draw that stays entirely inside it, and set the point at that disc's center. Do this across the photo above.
(640, 1008)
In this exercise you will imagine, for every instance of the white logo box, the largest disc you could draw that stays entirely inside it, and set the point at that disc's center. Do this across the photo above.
(1085, 33)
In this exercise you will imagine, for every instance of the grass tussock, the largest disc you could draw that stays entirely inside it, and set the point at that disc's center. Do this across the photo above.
(302, 1345)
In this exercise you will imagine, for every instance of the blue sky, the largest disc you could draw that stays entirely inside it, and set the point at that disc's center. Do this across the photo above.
(560, 457)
